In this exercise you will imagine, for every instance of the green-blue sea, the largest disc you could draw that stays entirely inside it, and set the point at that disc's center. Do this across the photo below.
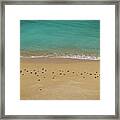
(60, 38)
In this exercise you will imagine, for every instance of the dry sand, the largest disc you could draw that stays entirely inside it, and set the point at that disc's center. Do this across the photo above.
(59, 79)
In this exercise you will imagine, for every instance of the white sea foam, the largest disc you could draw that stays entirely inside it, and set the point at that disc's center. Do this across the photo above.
(80, 57)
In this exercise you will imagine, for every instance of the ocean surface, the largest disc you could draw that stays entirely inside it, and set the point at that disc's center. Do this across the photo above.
(79, 39)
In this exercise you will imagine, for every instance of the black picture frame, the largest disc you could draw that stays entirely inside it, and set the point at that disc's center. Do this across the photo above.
(49, 2)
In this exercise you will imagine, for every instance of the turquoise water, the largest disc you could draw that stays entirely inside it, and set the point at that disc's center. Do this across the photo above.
(60, 37)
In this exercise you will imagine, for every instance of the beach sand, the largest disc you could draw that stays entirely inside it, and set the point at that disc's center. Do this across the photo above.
(59, 79)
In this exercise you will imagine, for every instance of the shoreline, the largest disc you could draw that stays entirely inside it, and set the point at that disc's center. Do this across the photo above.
(62, 57)
(56, 60)
(90, 55)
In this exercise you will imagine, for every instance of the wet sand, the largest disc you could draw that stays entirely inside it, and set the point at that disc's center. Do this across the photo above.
(59, 79)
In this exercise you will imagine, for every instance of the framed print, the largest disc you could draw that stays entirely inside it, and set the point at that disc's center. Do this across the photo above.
(60, 59)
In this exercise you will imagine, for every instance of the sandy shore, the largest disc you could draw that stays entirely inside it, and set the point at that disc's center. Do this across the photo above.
(59, 79)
